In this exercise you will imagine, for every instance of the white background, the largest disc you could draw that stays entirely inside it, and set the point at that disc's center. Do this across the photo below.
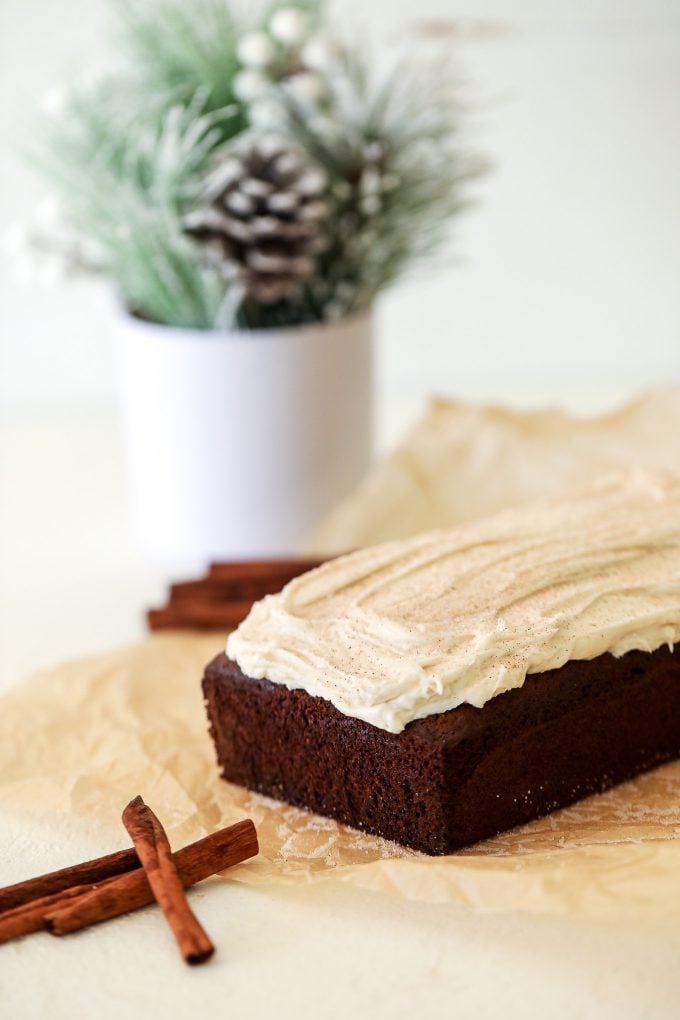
(567, 269)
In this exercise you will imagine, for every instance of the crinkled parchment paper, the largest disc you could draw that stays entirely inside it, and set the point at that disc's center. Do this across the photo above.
(462, 461)
(79, 741)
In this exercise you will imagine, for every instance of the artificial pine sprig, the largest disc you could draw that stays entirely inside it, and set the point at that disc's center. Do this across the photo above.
(125, 182)
(176, 49)
(132, 157)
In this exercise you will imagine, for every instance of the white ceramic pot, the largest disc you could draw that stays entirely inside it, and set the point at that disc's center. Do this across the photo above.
(239, 442)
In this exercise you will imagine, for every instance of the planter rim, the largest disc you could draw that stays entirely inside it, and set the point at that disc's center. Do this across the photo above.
(238, 335)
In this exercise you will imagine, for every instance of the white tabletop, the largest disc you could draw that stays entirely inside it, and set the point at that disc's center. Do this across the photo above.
(71, 584)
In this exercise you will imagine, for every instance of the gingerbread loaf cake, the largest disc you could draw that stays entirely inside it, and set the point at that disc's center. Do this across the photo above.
(438, 690)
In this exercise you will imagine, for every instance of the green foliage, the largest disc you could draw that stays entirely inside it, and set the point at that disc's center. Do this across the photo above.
(130, 157)
(178, 48)
(125, 179)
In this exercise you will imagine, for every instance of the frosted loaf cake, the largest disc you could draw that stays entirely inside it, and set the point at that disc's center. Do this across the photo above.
(440, 689)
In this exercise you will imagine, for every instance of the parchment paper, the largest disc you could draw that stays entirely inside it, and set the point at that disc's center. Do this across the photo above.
(462, 461)
(80, 740)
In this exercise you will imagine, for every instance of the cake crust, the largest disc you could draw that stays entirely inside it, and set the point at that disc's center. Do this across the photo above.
(460, 776)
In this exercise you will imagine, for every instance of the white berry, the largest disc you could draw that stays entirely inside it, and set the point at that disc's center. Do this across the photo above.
(319, 52)
(265, 113)
(306, 87)
(249, 85)
(289, 25)
(256, 50)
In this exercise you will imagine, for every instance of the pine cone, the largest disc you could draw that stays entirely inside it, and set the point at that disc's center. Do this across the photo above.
(265, 216)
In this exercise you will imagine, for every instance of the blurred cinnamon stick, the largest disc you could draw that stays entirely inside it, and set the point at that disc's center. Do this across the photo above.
(199, 615)
(224, 597)
(264, 570)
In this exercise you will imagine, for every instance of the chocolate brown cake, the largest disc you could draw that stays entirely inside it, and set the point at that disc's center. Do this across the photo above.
(454, 778)
(439, 690)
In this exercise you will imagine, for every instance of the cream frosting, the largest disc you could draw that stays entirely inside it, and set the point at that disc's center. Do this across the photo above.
(415, 627)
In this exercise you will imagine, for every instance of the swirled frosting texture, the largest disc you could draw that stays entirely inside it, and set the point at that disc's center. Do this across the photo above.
(412, 628)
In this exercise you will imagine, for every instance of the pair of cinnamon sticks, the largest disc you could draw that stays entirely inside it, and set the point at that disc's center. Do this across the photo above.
(224, 597)
(71, 899)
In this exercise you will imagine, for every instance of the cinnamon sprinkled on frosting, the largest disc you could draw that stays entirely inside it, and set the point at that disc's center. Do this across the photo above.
(412, 628)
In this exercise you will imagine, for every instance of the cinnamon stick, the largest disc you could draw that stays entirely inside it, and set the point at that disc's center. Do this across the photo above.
(125, 893)
(87, 873)
(153, 849)
(223, 598)
(199, 615)
(264, 569)
(30, 917)
(211, 589)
